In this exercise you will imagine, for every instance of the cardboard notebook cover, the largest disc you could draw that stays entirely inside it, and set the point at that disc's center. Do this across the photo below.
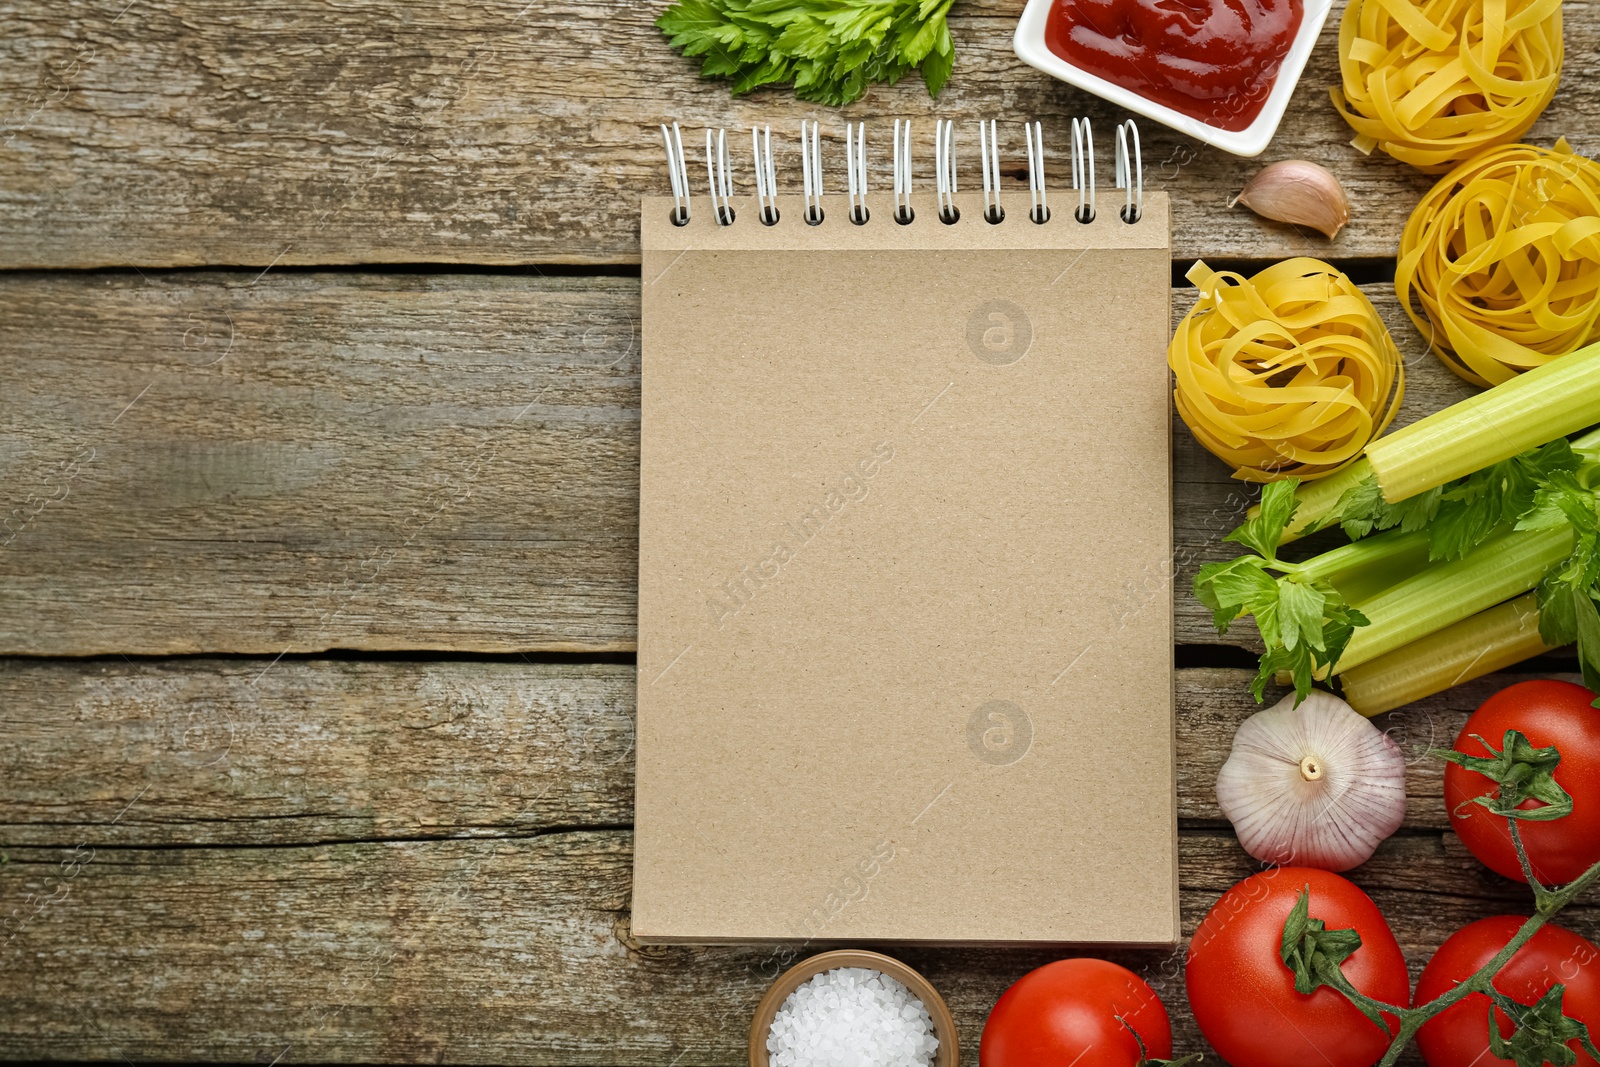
(905, 633)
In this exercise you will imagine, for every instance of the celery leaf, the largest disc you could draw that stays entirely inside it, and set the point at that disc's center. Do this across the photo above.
(1362, 509)
(1304, 624)
(1264, 530)
(828, 50)
(1300, 614)
(1461, 515)
(1234, 588)
(1567, 610)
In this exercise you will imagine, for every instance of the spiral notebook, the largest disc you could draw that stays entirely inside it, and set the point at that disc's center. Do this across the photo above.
(905, 638)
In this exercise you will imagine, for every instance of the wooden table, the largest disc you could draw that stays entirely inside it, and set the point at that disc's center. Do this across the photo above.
(319, 432)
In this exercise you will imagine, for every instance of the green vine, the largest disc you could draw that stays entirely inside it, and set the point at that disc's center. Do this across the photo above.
(1542, 1032)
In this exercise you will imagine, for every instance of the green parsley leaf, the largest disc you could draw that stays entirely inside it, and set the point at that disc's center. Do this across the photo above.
(829, 50)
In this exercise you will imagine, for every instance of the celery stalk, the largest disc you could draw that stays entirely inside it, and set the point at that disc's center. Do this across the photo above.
(1537, 406)
(1359, 555)
(1478, 645)
(1448, 591)
(1529, 410)
(1319, 498)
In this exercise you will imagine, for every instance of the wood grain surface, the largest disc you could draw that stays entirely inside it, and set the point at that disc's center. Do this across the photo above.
(411, 860)
(510, 131)
(250, 752)
(221, 841)
(515, 949)
(215, 462)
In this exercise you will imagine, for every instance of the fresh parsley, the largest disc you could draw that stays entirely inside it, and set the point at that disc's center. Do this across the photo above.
(831, 50)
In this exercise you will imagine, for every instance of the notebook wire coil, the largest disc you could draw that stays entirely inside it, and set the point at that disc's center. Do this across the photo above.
(677, 173)
(1038, 210)
(719, 175)
(766, 185)
(903, 214)
(1129, 172)
(1083, 168)
(989, 150)
(855, 165)
(944, 169)
(811, 171)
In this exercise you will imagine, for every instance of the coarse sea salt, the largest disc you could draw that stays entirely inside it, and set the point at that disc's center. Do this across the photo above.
(852, 1017)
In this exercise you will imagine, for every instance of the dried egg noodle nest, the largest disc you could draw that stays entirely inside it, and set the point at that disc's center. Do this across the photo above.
(1431, 83)
(1500, 262)
(1287, 374)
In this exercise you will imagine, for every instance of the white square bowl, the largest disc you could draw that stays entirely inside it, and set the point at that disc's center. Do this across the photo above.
(1251, 141)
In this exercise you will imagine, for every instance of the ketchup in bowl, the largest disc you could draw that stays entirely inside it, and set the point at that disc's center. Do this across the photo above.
(1213, 60)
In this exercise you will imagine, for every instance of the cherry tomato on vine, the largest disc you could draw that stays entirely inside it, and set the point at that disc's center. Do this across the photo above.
(1066, 1012)
(1546, 713)
(1459, 1035)
(1243, 994)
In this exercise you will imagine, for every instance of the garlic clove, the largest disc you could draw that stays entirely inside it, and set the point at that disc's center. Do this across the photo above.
(1316, 785)
(1300, 193)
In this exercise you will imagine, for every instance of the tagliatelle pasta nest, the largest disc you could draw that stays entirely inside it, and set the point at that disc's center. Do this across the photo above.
(1435, 81)
(1287, 374)
(1500, 262)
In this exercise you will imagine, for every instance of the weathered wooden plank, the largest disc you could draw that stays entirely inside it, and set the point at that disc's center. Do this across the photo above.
(175, 133)
(224, 752)
(216, 462)
(512, 951)
(310, 462)
(247, 752)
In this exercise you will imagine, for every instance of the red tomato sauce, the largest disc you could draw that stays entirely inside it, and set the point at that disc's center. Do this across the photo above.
(1213, 60)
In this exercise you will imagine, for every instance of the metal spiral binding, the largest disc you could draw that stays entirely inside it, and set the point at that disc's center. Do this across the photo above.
(1083, 168)
(944, 169)
(719, 172)
(855, 165)
(902, 172)
(1130, 172)
(766, 185)
(1038, 210)
(989, 152)
(678, 174)
(811, 168)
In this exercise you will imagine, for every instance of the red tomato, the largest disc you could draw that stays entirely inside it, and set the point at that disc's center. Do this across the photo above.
(1066, 1012)
(1459, 1035)
(1242, 992)
(1547, 713)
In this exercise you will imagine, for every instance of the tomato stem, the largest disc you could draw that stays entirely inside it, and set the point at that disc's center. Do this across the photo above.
(1548, 902)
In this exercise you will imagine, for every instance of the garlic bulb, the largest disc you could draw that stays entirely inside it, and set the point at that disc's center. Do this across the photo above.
(1300, 193)
(1316, 785)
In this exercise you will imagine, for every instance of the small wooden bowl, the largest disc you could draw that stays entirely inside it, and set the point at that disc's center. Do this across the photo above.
(944, 1024)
